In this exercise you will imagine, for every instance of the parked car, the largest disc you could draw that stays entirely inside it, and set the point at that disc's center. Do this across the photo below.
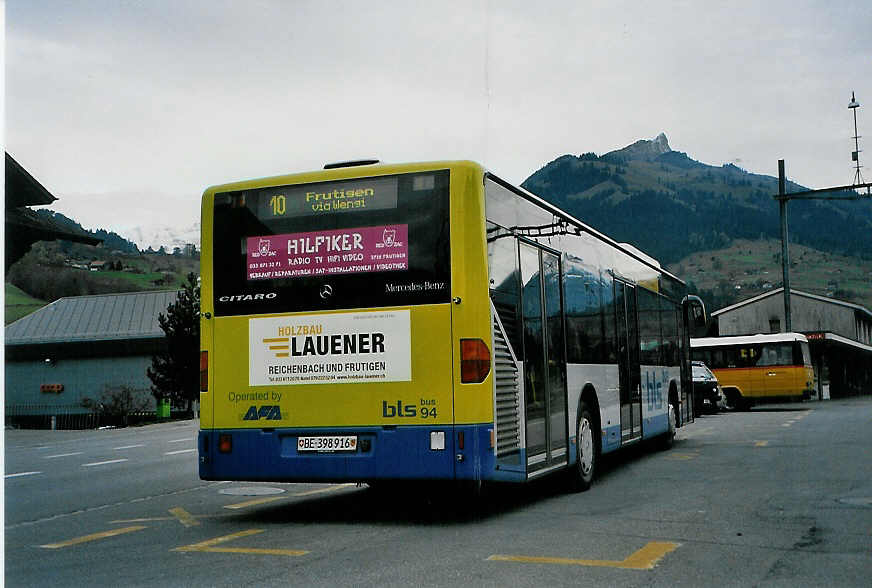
(708, 397)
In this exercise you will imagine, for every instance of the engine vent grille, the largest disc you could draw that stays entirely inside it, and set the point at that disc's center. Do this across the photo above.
(506, 381)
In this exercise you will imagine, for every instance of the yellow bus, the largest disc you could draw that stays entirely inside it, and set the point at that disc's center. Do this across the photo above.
(758, 368)
(372, 322)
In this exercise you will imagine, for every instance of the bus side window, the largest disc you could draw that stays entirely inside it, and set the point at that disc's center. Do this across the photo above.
(585, 340)
(785, 354)
(801, 354)
(650, 337)
(608, 304)
(749, 356)
(670, 318)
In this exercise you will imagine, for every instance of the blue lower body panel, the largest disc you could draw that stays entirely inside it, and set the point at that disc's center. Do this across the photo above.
(383, 453)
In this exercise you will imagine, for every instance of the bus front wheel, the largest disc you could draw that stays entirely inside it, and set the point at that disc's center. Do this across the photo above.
(586, 441)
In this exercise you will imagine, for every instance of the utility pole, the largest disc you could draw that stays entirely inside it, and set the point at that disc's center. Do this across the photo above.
(785, 249)
(855, 156)
(852, 193)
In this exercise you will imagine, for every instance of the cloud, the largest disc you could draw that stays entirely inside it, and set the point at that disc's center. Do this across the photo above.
(139, 100)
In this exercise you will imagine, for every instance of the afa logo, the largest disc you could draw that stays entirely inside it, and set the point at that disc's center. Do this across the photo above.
(265, 412)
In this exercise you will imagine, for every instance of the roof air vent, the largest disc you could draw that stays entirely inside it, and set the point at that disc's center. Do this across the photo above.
(352, 163)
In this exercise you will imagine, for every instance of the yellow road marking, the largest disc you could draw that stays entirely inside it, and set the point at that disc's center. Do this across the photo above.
(92, 537)
(209, 546)
(254, 502)
(143, 520)
(761, 443)
(644, 559)
(159, 519)
(682, 456)
(184, 517)
(267, 500)
(322, 490)
(210, 542)
(647, 557)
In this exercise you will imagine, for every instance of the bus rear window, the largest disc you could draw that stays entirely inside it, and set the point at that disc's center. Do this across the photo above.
(360, 243)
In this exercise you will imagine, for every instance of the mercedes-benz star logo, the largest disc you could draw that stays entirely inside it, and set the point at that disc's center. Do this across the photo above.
(326, 291)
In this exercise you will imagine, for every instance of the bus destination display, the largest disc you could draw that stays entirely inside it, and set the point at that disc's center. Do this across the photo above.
(327, 198)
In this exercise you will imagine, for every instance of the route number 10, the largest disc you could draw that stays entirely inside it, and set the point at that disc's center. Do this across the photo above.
(278, 204)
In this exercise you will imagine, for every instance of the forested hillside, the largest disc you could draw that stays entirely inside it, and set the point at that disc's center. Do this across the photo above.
(715, 227)
(55, 269)
(670, 206)
(111, 240)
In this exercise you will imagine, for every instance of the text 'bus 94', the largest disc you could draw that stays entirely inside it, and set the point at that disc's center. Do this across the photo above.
(427, 321)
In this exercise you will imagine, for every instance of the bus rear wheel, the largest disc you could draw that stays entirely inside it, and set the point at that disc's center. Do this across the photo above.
(668, 439)
(735, 401)
(587, 456)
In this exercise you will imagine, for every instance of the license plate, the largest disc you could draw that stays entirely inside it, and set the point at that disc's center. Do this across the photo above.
(327, 444)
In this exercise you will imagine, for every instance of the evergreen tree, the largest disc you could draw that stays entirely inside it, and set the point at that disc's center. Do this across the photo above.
(174, 372)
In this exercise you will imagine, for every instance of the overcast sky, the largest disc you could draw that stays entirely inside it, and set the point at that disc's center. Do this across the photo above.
(126, 110)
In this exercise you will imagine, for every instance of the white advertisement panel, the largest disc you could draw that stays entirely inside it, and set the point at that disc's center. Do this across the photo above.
(330, 348)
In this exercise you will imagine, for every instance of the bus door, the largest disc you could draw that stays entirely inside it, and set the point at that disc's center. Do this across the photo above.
(544, 357)
(686, 408)
(629, 374)
(779, 375)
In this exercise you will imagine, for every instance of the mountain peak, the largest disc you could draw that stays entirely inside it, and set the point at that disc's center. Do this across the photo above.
(644, 149)
(661, 142)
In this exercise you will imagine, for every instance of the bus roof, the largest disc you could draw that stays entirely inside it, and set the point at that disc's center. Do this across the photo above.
(341, 173)
(747, 339)
(625, 248)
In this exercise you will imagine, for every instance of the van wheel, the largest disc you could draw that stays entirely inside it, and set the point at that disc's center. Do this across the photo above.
(587, 453)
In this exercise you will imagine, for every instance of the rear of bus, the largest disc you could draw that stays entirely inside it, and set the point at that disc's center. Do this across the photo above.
(345, 328)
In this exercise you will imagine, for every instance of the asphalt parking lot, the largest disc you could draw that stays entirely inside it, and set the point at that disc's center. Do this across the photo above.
(780, 495)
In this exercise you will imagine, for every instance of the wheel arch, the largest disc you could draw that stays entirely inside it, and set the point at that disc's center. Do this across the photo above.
(733, 389)
(581, 474)
(673, 400)
(589, 398)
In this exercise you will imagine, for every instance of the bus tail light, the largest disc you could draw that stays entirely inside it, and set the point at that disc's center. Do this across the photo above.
(225, 443)
(204, 371)
(475, 361)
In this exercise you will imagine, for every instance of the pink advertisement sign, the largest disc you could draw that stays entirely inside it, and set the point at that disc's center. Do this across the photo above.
(344, 251)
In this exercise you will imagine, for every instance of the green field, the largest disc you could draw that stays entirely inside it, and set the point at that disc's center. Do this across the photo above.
(147, 281)
(19, 304)
(47, 273)
(748, 268)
